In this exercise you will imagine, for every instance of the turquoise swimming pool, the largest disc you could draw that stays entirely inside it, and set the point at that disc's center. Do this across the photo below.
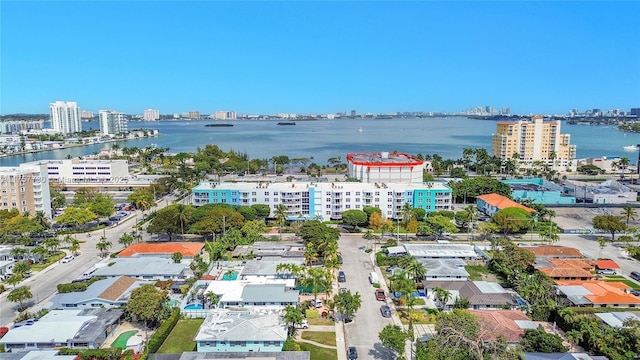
(230, 276)
(194, 307)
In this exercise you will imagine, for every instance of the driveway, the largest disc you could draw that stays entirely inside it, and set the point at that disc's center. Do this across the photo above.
(363, 331)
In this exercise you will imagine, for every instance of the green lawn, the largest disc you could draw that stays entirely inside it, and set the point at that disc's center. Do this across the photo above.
(322, 337)
(477, 272)
(54, 258)
(181, 338)
(318, 353)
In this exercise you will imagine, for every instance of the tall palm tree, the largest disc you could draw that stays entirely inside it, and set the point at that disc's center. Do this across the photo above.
(183, 215)
(316, 278)
(623, 163)
(281, 216)
(417, 270)
(407, 214)
(74, 246)
(41, 219)
(103, 245)
(442, 295)
(629, 213)
(470, 218)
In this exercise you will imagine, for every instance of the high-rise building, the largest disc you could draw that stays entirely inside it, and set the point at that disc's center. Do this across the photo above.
(353, 113)
(225, 115)
(84, 114)
(151, 115)
(534, 140)
(113, 122)
(65, 117)
(25, 188)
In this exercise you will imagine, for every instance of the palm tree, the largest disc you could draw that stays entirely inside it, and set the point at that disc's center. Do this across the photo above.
(417, 270)
(281, 216)
(407, 214)
(41, 219)
(40, 251)
(311, 255)
(103, 245)
(212, 298)
(443, 296)
(623, 163)
(629, 213)
(470, 218)
(74, 247)
(183, 215)
(316, 278)
(19, 252)
(292, 316)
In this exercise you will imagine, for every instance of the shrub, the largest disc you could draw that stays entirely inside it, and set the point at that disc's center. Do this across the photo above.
(163, 331)
(291, 345)
(368, 251)
(93, 354)
(376, 285)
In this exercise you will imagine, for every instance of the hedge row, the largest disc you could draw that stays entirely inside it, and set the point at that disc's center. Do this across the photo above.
(95, 354)
(79, 286)
(163, 331)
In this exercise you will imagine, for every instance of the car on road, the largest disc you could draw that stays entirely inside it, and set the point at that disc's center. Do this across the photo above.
(635, 275)
(634, 292)
(380, 296)
(352, 353)
(67, 259)
(385, 310)
(342, 277)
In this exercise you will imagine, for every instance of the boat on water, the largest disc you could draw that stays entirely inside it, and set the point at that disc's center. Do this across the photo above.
(218, 125)
(360, 130)
(630, 148)
(287, 123)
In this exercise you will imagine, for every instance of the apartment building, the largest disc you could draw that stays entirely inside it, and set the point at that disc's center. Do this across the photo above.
(309, 200)
(25, 188)
(65, 117)
(225, 115)
(76, 171)
(385, 167)
(534, 140)
(113, 122)
(151, 115)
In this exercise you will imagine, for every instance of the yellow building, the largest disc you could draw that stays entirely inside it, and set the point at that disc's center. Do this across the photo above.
(25, 188)
(534, 140)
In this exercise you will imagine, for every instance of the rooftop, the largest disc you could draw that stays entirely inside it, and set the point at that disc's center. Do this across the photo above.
(187, 249)
(282, 355)
(617, 319)
(318, 186)
(383, 158)
(225, 325)
(502, 202)
(507, 323)
(441, 250)
(266, 267)
(111, 289)
(595, 292)
(142, 266)
(555, 251)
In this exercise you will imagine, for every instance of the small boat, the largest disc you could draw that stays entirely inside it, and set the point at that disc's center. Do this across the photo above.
(360, 130)
(631, 148)
(218, 125)
(287, 123)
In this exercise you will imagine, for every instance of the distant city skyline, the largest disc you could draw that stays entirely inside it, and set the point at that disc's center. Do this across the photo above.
(320, 57)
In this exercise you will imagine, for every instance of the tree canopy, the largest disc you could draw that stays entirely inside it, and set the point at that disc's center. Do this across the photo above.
(609, 223)
(467, 189)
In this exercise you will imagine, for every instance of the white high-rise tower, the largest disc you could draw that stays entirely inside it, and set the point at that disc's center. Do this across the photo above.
(112, 122)
(65, 117)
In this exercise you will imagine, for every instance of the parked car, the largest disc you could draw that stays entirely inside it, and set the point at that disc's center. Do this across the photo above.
(303, 325)
(635, 275)
(380, 296)
(67, 259)
(317, 303)
(634, 292)
(385, 310)
(352, 353)
(342, 277)
(606, 272)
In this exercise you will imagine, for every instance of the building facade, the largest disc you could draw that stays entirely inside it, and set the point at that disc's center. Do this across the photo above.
(25, 188)
(75, 171)
(534, 140)
(308, 200)
(65, 117)
(151, 115)
(385, 167)
(225, 115)
(113, 122)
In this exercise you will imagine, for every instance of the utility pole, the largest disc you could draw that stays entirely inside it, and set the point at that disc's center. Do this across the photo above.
(224, 225)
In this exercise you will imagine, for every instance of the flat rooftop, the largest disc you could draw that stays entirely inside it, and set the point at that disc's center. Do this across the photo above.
(318, 186)
(383, 158)
(441, 250)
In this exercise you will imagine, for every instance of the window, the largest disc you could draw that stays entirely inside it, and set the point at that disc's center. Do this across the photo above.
(266, 193)
(348, 193)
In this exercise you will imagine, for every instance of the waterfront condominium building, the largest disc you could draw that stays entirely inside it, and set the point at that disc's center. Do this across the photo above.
(225, 115)
(113, 122)
(310, 200)
(385, 167)
(151, 115)
(25, 188)
(534, 140)
(76, 171)
(65, 117)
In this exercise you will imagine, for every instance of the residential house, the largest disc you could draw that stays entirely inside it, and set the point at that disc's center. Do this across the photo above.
(606, 264)
(482, 295)
(445, 269)
(273, 293)
(86, 328)
(617, 319)
(562, 356)
(241, 331)
(507, 324)
(107, 293)
(555, 251)
(270, 249)
(442, 251)
(267, 268)
(188, 250)
(146, 268)
(566, 269)
(232, 355)
(492, 203)
(36, 355)
(596, 293)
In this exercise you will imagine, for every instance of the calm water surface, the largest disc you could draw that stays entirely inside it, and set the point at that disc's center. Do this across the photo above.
(332, 138)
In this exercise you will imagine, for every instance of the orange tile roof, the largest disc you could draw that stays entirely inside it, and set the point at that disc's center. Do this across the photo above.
(495, 323)
(563, 273)
(188, 249)
(607, 264)
(603, 292)
(502, 202)
(584, 264)
(554, 250)
(116, 289)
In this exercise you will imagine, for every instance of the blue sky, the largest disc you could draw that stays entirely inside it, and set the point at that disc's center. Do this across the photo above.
(319, 57)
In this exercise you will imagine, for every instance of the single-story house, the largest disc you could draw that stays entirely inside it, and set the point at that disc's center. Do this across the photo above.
(86, 328)
(396, 251)
(233, 355)
(566, 269)
(617, 319)
(562, 356)
(108, 293)
(239, 331)
(271, 249)
(36, 355)
(146, 268)
(555, 251)
(188, 249)
(492, 203)
(445, 269)
(482, 295)
(596, 293)
(606, 264)
(509, 324)
(276, 293)
(442, 251)
(267, 268)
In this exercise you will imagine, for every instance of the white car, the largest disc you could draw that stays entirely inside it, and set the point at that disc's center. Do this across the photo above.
(67, 259)
(303, 325)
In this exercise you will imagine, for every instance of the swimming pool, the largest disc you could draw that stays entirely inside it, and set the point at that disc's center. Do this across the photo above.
(230, 276)
(194, 307)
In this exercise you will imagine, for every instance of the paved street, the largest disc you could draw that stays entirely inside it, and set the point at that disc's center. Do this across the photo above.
(43, 284)
(368, 322)
(588, 245)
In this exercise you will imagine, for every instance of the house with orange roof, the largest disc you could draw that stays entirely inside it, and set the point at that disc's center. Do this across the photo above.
(492, 203)
(187, 249)
(596, 293)
(566, 269)
(508, 324)
(607, 264)
(555, 251)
